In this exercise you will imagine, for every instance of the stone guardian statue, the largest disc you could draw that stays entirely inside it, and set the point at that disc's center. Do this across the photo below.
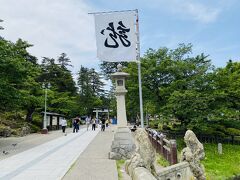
(193, 153)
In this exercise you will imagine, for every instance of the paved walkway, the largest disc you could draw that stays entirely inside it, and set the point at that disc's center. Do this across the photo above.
(15, 145)
(50, 160)
(93, 163)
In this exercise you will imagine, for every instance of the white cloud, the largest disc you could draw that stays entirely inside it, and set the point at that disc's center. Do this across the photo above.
(199, 11)
(189, 9)
(53, 27)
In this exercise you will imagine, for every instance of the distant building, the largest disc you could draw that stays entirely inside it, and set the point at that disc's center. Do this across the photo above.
(53, 120)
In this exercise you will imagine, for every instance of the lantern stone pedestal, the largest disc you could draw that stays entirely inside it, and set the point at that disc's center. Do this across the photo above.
(44, 131)
(123, 144)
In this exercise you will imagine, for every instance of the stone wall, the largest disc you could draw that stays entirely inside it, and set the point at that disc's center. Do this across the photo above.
(180, 171)
(141, 173)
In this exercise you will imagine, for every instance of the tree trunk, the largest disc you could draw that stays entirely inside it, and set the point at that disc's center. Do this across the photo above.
(30, 112)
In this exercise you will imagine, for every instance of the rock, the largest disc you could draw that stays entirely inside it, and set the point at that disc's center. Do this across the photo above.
(144, 155)
(25, 130)
(145, 149)
(193, 153)
(5, 131)
(134, 162)
(113, 155)
(179, 171)
(141, 173)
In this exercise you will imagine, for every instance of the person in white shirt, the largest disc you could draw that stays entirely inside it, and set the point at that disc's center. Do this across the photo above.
(88, 121)
(63, 124)
(93, 124)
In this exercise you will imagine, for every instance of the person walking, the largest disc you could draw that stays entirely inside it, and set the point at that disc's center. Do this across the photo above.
(75, 126)
(107, 122)
(93, 124)
(103, 120)
(78, 122)
(88, 120)
(63, 124)
(97, 122)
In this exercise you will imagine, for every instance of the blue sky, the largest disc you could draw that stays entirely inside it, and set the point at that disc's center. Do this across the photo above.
(212, 27)
(58, 26)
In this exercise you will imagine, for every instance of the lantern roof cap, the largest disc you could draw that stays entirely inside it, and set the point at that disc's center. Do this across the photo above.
(119, 73)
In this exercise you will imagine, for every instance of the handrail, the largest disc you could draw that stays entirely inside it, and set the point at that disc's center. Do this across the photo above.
(167, 148)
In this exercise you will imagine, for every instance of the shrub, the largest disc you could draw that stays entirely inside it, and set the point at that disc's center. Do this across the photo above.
(5, 131)
(165, 127)
(233, 131)
(153, 124)
(34, 128)
(37, 119)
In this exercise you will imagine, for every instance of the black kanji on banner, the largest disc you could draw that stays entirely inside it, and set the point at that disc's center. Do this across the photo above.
(115, 35)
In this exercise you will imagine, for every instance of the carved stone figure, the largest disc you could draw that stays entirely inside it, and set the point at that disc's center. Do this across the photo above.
(193, 153)
(144, 155)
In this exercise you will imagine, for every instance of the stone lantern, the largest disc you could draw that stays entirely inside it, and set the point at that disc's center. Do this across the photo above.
(120, 92)
(123, 144)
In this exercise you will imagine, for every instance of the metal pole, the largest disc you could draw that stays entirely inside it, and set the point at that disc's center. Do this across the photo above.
(1, 28)
(139, 70)
(45, 111)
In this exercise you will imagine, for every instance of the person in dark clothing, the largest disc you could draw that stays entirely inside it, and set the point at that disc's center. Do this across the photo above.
(78, 122)
(75, 126)
(103, 124)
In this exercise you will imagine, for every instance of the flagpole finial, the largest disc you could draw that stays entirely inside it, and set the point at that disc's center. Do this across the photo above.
(119, 68)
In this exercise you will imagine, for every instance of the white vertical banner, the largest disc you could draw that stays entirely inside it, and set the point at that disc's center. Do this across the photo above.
(116, 36)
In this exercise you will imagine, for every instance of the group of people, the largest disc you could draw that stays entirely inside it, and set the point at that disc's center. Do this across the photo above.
(95, 122)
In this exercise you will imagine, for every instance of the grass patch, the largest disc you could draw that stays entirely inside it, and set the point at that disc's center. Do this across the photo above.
(217, 167)
(222, 166)
(120, 163)
(162, 161)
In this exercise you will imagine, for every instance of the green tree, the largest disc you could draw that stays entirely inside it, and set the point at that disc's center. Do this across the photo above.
(91, 93)
(63, 92)
(58, 74)
(64, 61)
(226, 105)
(172, 83)
(18, 71)
(110, 67)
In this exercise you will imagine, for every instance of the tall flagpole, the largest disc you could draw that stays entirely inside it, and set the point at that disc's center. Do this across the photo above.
(138, 59)
(139, 70)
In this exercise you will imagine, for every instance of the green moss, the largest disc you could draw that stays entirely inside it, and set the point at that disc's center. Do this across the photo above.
(120, 163)
(161, 161)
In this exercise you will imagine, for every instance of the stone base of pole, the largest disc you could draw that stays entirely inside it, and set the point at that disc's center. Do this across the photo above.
(123, 146)
(44, 131)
